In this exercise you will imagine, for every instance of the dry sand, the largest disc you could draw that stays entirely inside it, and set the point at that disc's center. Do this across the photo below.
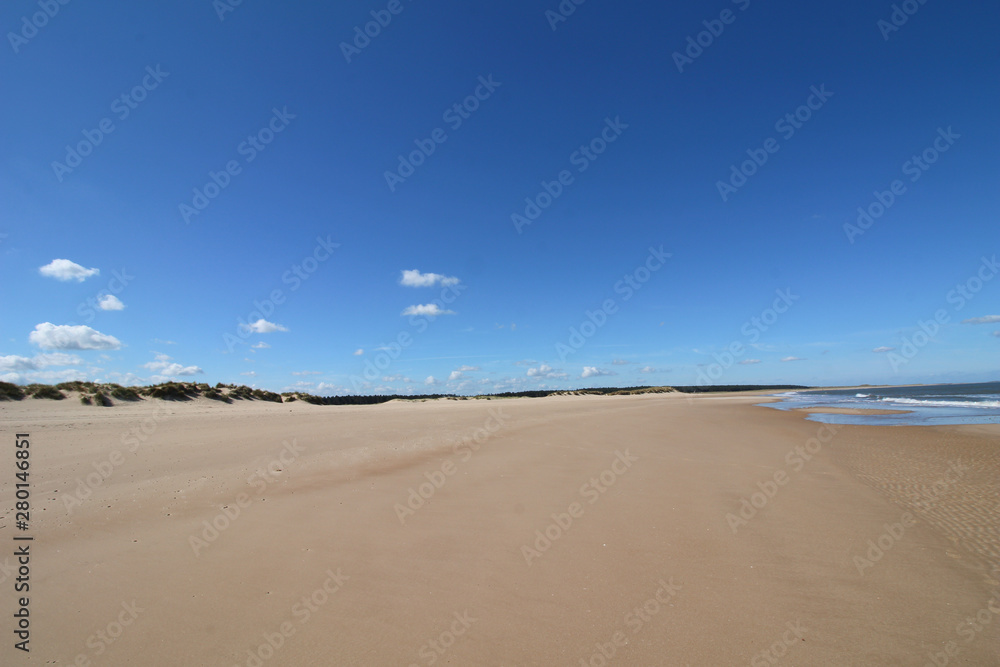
(874, 550)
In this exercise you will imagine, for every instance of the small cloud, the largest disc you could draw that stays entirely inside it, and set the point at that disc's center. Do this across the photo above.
(792, 359)
(620, 362)
(262, 326)
(430, 309)
(988, 319)
(164, 342)
(455, 375)
(110, 302)
(747, 362)
(593, 371)
(65, 270)
(49, 336)
(260, 346)
(884, 348)
(648, 369)
(307, 372)
(430, 381)
(414, 278)
(396, 378)
(358, 352)
(468, 369)
(513, 326)
(546, 371)
(17, 364)
(252, 374)
(163, 366)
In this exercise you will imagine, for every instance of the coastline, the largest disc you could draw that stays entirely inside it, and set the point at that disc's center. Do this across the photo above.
(670, 469)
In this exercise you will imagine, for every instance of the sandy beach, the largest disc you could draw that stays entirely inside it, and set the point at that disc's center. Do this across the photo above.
(581, 530)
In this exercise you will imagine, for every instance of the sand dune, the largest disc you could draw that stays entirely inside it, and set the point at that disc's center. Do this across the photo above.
(633, 530)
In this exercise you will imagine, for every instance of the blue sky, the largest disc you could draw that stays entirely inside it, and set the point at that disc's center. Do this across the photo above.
(193, 162)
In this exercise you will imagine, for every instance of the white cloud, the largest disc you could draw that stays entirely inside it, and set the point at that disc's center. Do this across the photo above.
(747, 362)
(48, 376)
(262, 326)
(988, 319)
(620, 362)
(648, 369)
(166, 368)
(430, 380)
(413, 278)
(49, 336)
(307, 372)
(545, 371)
(468, 369)
(65, 270)
(455, 375)
(593, 371)
(396, 378)
(792, 359)
(110, 302)
(430, 309)
(358, 352)
(884, 348)
(15, 363)
(252, 374)
(260, 346)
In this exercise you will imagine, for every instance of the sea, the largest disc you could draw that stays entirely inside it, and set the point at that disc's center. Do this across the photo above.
(938, 404)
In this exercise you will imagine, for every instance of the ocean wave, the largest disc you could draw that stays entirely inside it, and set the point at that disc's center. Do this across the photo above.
(862, 395)
(942, 404)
